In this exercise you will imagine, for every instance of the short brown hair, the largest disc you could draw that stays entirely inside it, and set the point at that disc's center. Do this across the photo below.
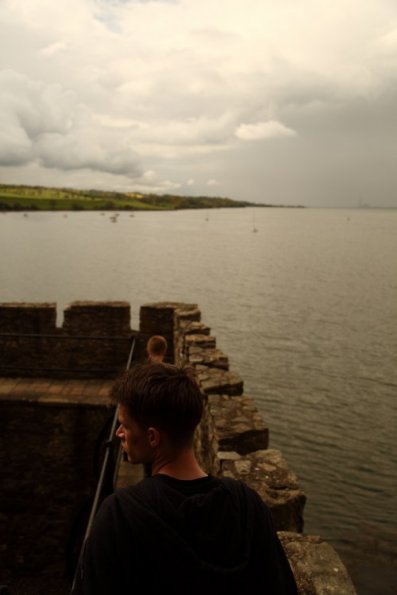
(157, 345)
(164, 396)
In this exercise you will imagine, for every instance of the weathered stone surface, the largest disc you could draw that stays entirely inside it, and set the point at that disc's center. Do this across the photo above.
(203, 341)
(239, 425)
(46, 477)
(213, 358)
(206, 443)
(97, 318)
(317, 568)
(267, 472)
(51, 391)
(66, 420)
(167, 319)
(191, 327)
(94, 341)
(22, 317)
(216, 381)
(157, 319)
(187, 312)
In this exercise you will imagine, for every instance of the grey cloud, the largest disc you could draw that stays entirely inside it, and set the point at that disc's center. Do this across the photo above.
(344, 155)
(43, 122)
(27, 108)
(84, 149)
(15, 144)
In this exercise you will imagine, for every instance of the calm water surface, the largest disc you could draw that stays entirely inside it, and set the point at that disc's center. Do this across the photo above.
(306, 309)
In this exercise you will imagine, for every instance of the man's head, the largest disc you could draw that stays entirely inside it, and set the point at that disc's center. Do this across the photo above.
(156, 348)
(159, 397)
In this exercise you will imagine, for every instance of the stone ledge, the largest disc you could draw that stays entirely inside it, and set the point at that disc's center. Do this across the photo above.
(50, 391)
(213, 358)
(238, 423)
(216, 381)
(317, 568)
(267, 472)
(203, 341)
(187, 312)
(192, 327)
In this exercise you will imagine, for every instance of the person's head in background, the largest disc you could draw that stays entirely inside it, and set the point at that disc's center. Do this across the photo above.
(156, 348)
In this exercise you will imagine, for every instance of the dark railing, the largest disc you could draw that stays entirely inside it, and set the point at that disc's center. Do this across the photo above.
(108, 473)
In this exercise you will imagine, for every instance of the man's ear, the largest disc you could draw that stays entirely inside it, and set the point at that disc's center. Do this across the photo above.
(153, 436)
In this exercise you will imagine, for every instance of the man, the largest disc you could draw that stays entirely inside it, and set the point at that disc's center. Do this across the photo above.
(156, 348)
(180, 531)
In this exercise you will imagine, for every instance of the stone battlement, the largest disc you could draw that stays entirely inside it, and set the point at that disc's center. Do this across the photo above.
(93, 341)
(232, 440)
(66, 413)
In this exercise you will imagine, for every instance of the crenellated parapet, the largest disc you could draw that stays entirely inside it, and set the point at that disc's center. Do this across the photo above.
(233, 440)
(56, 381)
(93, 341)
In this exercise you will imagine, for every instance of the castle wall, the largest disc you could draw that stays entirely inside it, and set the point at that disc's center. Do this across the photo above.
(47, 454)
(50, 427)
(233, 440)
(93, 341)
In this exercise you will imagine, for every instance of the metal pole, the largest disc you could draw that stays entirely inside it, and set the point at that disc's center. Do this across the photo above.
(109, 446)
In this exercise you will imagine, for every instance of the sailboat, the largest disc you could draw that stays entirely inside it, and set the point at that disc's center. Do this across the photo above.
(254, 229)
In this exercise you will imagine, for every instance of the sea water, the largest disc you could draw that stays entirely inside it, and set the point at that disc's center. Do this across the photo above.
(306, 309)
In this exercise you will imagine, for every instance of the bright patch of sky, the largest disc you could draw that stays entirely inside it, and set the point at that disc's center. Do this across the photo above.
(278, 102)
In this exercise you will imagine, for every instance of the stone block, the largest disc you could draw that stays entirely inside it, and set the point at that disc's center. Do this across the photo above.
(239, 425)
(216, 381)
(203, 341)
(109, 319)
(317, 568)
(93, 342)
(28, 318)
(157, 319)
(187, 312)
(191, 327)
(213, 358)
(206, 443)
(267, 472)
(46, 479)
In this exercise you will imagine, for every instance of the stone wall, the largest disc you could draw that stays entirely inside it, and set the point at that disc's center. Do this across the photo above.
(50, 430)
(93, 342)
(233, 440)
(47, 474)
(167, 319)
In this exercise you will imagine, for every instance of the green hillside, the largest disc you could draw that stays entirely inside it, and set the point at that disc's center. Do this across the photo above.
(41, 198)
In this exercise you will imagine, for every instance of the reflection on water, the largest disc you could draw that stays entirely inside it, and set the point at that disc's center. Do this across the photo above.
(306, 309)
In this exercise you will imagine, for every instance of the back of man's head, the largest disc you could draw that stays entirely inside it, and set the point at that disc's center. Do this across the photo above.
(163, 396)
(156, 347)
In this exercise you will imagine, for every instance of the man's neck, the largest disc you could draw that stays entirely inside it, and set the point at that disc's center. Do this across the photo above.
(184, 466)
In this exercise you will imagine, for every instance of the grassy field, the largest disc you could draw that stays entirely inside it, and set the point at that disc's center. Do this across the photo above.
(40, 198)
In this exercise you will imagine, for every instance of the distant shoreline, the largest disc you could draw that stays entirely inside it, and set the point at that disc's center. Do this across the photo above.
(42, 198)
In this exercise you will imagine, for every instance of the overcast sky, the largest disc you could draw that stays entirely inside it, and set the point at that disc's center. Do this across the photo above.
(275, 101)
